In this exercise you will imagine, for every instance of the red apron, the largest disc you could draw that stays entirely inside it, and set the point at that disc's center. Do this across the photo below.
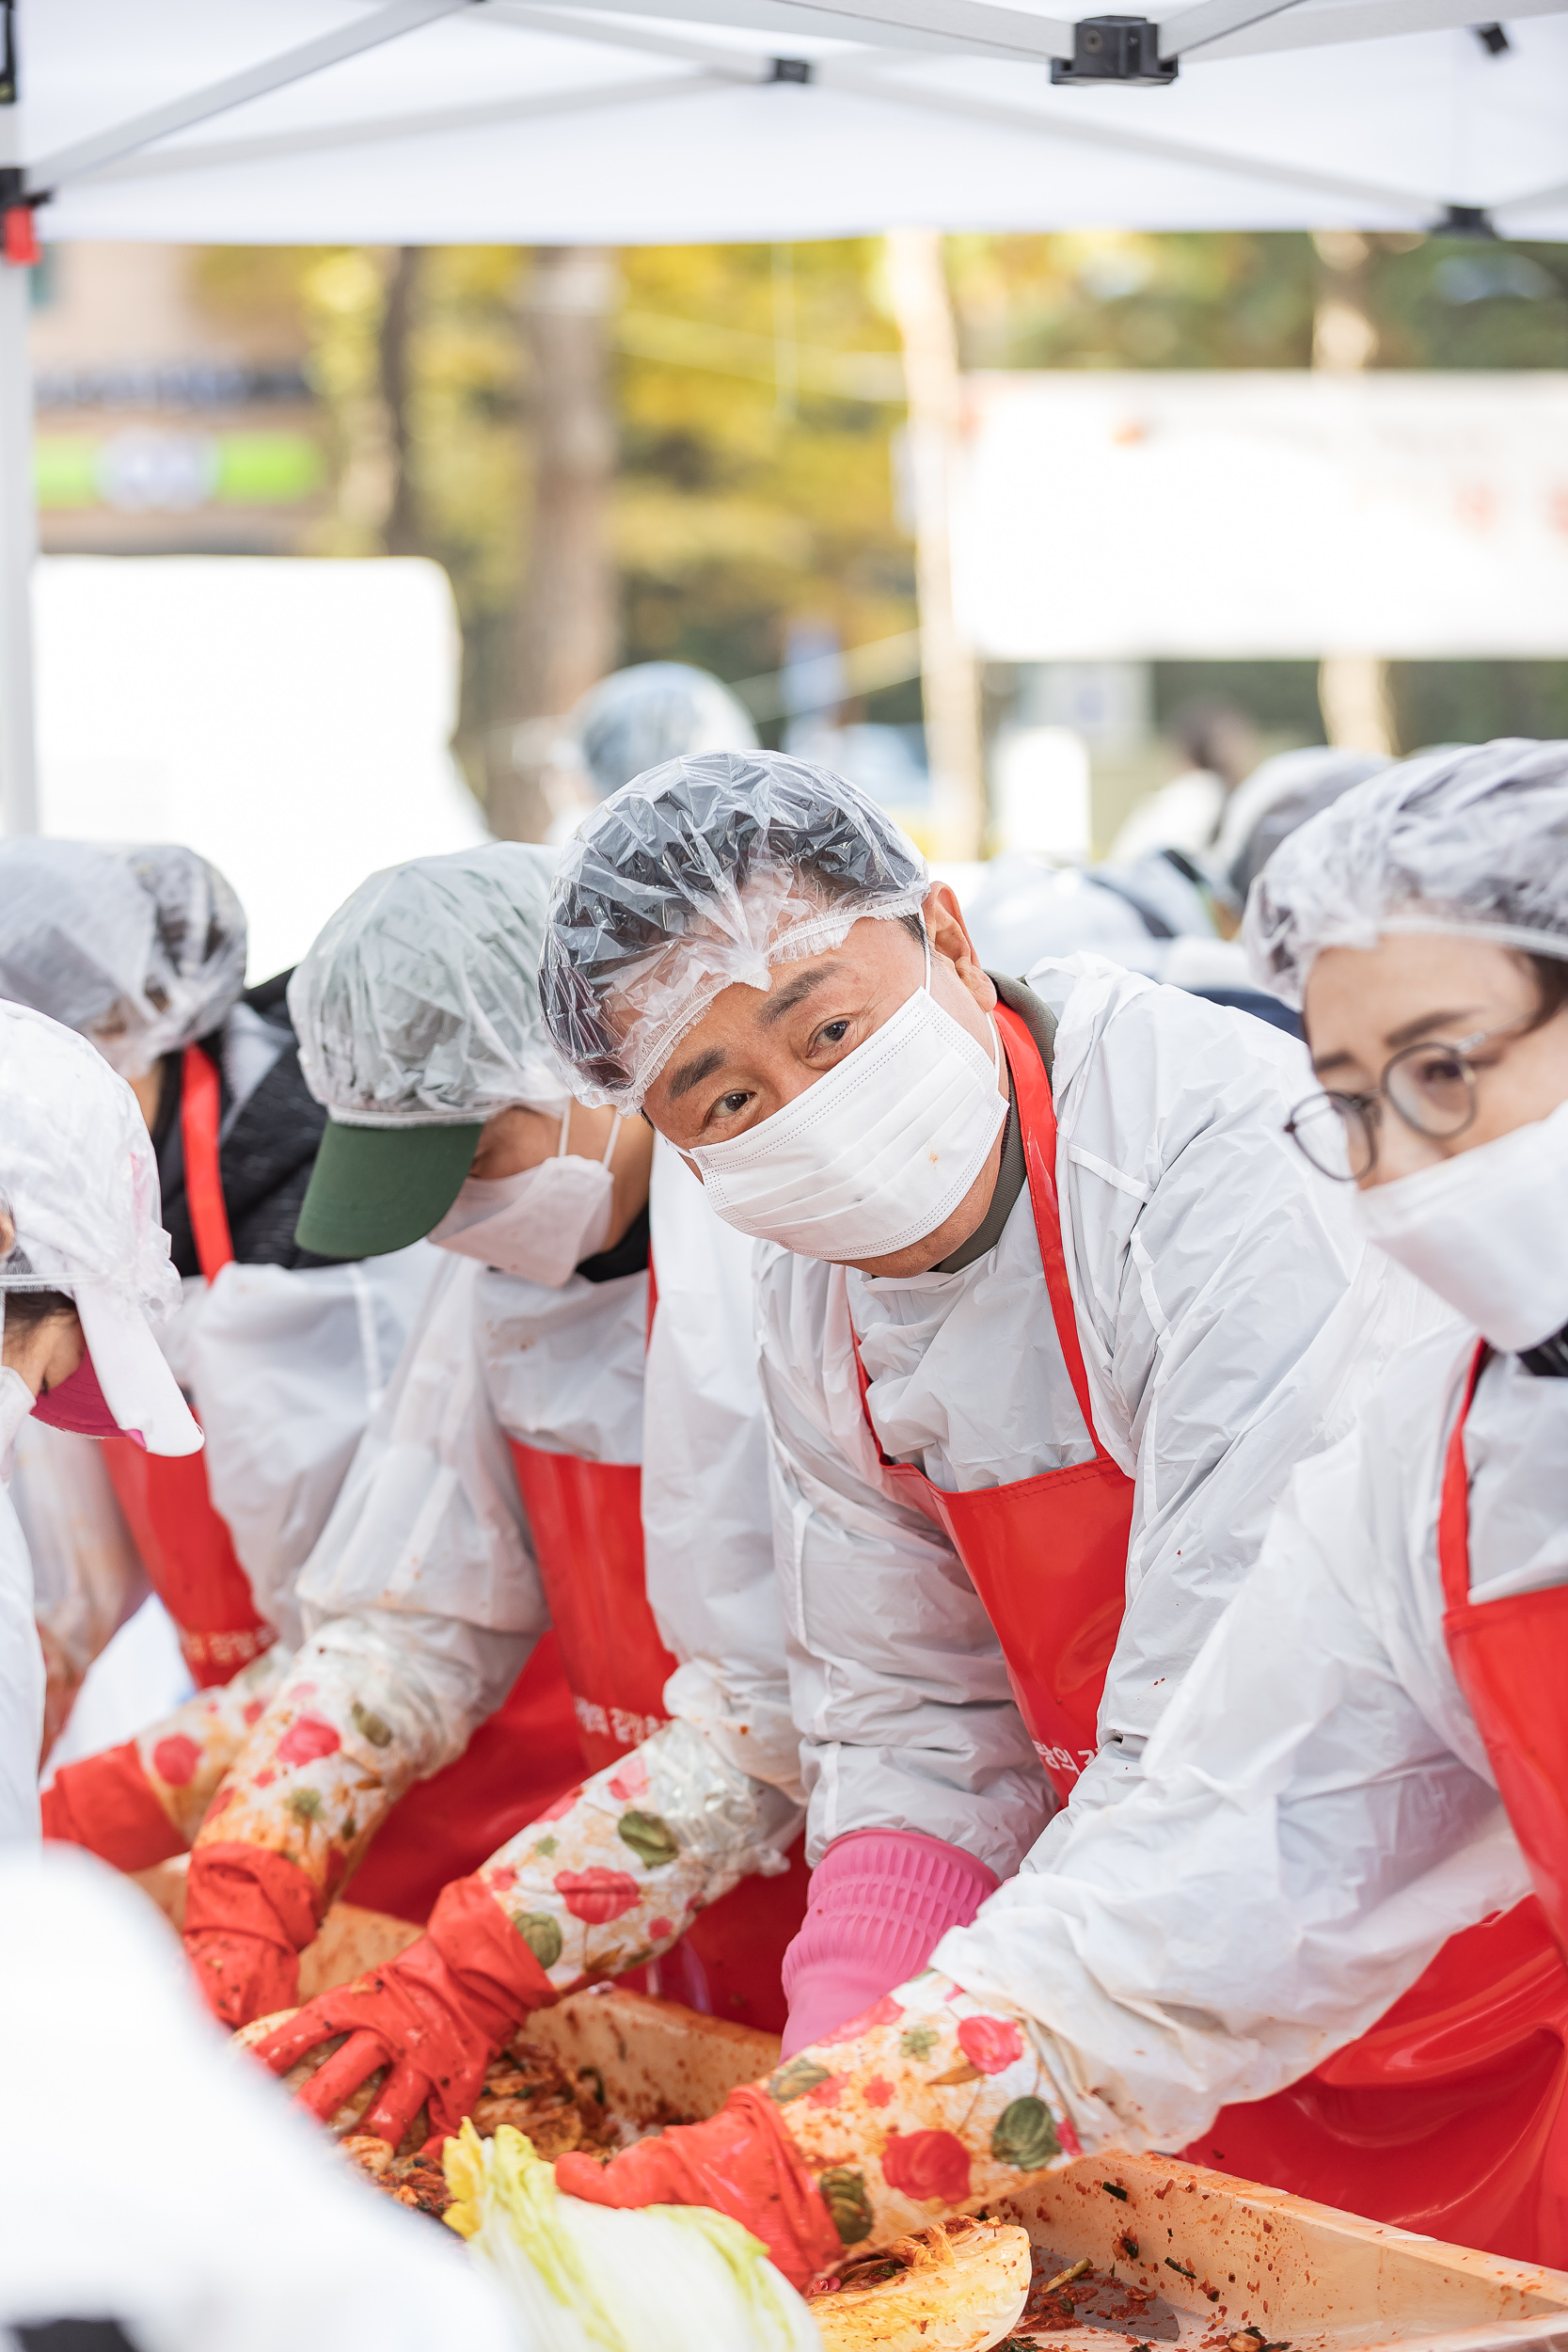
(1046, 1555)
(515, 1764)
(185, 1546)
(1452, 2115)
(587, 1523)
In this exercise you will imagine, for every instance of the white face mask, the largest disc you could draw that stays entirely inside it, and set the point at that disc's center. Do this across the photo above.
(1487, 1230)
(875, 1155)
(540, 1224)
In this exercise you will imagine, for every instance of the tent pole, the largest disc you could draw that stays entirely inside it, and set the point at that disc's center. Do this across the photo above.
(18, 803)
(922, 309)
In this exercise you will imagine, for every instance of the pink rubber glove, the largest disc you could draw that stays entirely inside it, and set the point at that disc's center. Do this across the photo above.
(882, 1900)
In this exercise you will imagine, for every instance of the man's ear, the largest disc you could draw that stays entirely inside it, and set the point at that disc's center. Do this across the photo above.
(949, 936)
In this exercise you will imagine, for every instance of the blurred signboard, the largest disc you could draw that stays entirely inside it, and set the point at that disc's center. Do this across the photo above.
(1253, 513)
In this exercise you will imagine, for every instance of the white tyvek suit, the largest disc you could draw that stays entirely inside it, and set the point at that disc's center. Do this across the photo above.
(1317, 1812)
(427, 1557)
(285, 1366)
(1223, 1337)
(21, 1658)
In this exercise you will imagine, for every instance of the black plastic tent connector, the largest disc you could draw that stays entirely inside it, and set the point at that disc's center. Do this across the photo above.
(1465, 220)
(790, 70)
(1493, 38)
(1116, 49)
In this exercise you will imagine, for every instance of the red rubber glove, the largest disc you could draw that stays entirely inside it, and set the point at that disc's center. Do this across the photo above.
(741, 2162)
(249, 1915)
(107, 1803)
(434, 2018)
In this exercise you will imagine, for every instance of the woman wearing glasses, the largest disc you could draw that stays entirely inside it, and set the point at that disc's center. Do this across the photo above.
(1348, 1848)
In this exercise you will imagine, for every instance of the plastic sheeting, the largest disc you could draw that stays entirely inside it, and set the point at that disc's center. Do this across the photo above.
(1470, 842)
(706, 871)
(140, 949)
(418, 1002)
(658, 711)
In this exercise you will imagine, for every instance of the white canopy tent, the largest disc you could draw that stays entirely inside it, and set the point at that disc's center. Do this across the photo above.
(427, 121)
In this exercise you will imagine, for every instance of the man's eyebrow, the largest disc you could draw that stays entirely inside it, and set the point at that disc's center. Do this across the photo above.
(796, 993)
(692, 1073)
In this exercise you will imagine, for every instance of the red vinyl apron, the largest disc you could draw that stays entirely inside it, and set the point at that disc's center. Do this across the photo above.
(586, 1519)
(1452, 2115)
(515, 1766)
(1046, 1555)
(185, 1546)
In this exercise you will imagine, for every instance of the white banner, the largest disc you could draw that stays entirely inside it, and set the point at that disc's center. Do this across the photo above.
(1214, 517)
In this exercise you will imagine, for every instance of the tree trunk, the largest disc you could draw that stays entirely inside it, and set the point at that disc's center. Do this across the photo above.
(923, 309)
(400, 531)
(567, 618)
(1353, 688)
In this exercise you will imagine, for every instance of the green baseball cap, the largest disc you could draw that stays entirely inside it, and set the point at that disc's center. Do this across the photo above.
(378, 1189)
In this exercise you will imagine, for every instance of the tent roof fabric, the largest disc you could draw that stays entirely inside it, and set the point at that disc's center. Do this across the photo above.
(506, 122)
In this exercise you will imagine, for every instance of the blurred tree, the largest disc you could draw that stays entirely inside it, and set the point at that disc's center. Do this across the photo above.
(757, 395)
(755, 487)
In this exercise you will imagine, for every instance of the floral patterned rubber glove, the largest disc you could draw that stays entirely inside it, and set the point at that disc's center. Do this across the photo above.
(140, 1803)
(932, 2104)
(337, 1746)
(611, 1874)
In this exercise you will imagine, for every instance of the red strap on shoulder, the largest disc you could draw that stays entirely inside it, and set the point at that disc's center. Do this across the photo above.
(1036, 1119)
(201, 1116)
(1454, 1517)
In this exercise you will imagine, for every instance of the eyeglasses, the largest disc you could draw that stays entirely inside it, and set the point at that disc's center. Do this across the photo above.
(1431, 1087)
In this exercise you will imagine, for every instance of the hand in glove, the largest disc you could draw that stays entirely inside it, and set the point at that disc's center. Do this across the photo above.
(434, 2018)
(931, 2102)
(316, 1777)
(142, 1801)
(612, 1873)
(742, 2162)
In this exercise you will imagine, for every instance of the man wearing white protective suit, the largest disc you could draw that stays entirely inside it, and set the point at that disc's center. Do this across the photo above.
(1050, 1307)
(84, 1274)
(142, 951)
(520, 1465)
(1369, 1754)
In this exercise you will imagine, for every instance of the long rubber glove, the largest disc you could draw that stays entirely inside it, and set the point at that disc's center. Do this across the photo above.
(881, 1900)
(611, 1875)
(931, 2104)
(344, 1737)
(434, 2018)
(142, 1801)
